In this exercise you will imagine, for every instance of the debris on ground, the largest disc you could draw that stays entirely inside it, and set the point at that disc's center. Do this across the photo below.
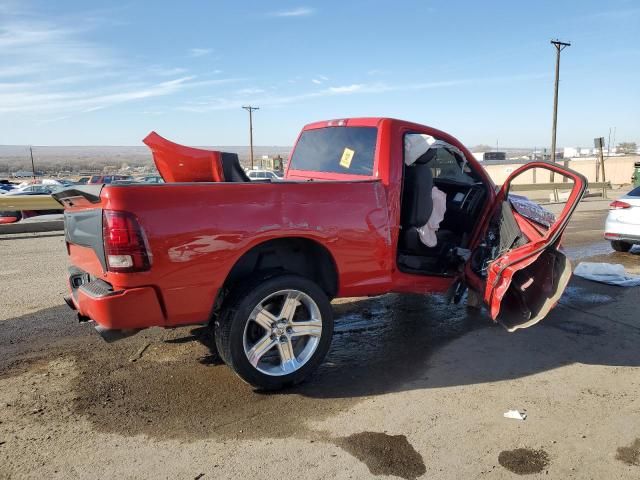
(610, 273)
(515, 414)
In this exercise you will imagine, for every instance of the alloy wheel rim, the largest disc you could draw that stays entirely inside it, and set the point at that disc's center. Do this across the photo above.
(282, 333)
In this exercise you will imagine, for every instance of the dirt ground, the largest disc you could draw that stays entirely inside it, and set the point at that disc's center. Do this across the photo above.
(412, 388)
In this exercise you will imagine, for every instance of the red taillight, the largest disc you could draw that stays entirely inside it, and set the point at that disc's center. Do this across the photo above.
(618, 205)
(124, 245)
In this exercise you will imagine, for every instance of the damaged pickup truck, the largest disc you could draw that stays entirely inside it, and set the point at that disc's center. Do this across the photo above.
(367, 206)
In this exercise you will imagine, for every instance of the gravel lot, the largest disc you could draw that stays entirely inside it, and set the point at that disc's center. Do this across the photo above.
(412, 388)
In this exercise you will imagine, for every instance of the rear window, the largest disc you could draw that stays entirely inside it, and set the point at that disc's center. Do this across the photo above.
(348, 150)
(635, 192)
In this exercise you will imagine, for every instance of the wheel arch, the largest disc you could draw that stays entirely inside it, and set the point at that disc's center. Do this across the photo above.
(293, 254)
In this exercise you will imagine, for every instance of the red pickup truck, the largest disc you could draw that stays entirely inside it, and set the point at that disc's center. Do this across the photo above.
(261, 261)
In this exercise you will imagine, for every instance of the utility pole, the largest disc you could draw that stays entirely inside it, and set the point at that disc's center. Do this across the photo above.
(559, 46)
(33, 168)
(250, 109)
(614, 138)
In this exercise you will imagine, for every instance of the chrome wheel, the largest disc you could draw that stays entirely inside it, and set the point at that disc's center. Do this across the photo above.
(282, 333)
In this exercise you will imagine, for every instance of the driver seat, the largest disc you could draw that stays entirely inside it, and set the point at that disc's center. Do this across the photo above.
(417, 203)
(416, 209)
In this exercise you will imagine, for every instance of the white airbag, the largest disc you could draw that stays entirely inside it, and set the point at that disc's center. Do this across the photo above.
(428, 231)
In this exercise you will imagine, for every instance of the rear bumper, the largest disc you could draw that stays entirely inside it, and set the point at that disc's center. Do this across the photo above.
(128, 309)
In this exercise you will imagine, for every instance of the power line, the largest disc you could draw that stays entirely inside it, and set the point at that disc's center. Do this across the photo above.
(250, 109)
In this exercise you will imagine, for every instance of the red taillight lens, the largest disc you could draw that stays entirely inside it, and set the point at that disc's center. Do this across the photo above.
(618, 205)
(124, 244)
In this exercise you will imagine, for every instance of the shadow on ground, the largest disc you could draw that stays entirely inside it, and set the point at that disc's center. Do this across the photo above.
(168, 384)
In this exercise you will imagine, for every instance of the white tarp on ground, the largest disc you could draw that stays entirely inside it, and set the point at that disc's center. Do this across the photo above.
(611, 273)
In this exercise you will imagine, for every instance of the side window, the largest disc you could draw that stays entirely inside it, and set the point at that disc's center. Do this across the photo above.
(447, 162)
(449, 165)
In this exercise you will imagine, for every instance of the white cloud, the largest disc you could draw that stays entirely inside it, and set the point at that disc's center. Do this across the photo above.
(295, 12)
(34, 101)
(167, 71)
(52, 120)
(347, 88)
(229, 103)
(320, 79)
(36, 42)
(249, 91)
(199, 52)
(48, 66)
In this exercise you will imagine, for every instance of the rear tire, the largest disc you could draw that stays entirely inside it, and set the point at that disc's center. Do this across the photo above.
(276, 331)
(620, 246)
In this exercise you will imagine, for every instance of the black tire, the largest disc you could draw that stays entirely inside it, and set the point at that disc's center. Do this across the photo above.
(235, 314)
(620, 246)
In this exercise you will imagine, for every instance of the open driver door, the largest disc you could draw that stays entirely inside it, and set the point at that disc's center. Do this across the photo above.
(529, 271)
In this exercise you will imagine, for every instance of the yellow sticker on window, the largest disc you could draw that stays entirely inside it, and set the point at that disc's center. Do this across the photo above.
(347, 156)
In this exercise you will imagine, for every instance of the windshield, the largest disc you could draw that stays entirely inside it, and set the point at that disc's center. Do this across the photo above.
(349, 150)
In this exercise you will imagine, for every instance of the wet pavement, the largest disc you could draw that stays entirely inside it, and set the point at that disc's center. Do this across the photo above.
(409, 388)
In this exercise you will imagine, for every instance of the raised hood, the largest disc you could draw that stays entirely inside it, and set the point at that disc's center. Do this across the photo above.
(177, 163)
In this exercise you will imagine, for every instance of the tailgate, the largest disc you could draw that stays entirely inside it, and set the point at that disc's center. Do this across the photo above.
(83, 227)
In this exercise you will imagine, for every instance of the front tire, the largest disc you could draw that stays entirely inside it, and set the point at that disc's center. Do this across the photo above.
(275, 332)
(620, 246)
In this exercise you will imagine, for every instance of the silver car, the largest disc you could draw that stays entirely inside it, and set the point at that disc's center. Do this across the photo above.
(263, 175)
(622, 227)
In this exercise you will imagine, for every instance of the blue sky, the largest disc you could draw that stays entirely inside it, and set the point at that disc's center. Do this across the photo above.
(106, 73)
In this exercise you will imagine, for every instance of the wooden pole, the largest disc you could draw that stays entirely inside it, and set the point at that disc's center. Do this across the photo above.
(559, 46)
(604, 178)
(250, 109)
(33, 168)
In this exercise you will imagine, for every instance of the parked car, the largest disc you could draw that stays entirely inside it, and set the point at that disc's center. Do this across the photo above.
(150, 179)
(9, 216)
(259, 262)
(263, 175)
(83, 180)
(106, 179)
(60, 182)
(622, 226)
(35, 189)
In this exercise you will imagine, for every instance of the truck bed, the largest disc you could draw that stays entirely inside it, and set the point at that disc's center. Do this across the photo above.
(196, 232)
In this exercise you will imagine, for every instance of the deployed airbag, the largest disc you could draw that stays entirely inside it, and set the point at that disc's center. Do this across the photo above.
(428, 231)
